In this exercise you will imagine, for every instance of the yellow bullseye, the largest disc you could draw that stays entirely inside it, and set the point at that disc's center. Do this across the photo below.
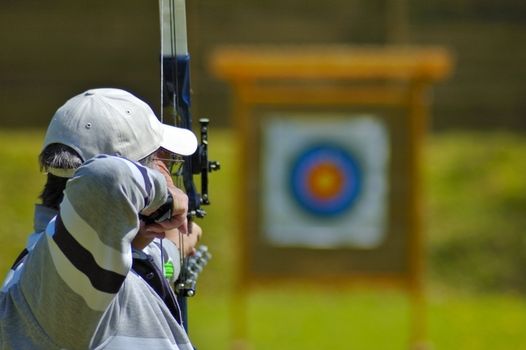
(325, 181)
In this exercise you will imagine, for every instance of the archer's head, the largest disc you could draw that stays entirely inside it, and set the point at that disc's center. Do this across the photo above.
(115, 122)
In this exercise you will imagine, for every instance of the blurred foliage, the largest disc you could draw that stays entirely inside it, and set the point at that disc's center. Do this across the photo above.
(477, 201)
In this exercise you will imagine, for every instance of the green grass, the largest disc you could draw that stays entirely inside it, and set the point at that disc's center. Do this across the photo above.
(303, 318)
(20, 185)
(475, 227)
(476, 220)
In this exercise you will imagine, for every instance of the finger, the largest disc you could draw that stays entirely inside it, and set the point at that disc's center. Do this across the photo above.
(199, 231)
(174, 223)
(151, 234)
(172, 235)
(154, 228)
(184, 227)
(192, 252)
(180, 200)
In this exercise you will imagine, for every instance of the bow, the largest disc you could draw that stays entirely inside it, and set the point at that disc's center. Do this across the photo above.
(176, 103)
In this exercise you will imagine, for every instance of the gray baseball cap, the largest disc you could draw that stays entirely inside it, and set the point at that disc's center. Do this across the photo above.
(113, 121)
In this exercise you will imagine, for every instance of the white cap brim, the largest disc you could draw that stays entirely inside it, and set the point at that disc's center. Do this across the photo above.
(178, 140)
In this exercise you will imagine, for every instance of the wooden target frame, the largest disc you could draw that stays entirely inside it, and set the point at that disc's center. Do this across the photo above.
(390, 83)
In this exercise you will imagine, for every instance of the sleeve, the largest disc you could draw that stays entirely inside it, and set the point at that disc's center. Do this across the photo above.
(85, 255)
(99, 218)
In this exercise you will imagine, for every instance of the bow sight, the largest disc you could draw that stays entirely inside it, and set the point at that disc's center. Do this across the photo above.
(202, 165)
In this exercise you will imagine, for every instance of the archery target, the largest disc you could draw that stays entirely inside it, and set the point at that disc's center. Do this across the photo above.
(324, 180)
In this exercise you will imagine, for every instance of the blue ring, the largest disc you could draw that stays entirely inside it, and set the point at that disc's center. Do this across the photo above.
(306, 161)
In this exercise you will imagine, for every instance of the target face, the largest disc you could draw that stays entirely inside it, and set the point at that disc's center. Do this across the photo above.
(325, 180)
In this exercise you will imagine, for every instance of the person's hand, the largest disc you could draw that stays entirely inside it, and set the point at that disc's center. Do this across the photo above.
(189, 240)
(178, 221)
(180, 205)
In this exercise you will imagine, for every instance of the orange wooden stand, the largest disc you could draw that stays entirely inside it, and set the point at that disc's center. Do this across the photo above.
(398, 77)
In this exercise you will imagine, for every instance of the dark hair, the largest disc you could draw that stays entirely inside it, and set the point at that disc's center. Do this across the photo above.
(57, 155)
(53, 191)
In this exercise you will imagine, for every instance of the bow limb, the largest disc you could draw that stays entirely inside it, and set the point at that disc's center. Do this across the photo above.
(175, 98)
(176, 102)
